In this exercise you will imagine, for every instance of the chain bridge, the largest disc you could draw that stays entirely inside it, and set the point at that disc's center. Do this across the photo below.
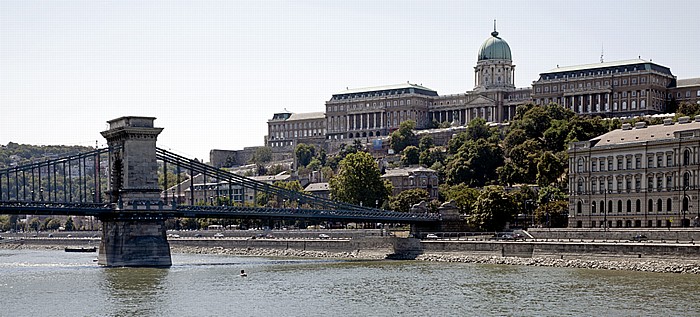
(121, 187)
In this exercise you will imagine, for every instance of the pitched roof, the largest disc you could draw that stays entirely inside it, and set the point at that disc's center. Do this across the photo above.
(688, 82)
(272, 178)
(598, 65)
(380, 88)
(406, 171)
(307, 116)
(650, 133)
(317, 187)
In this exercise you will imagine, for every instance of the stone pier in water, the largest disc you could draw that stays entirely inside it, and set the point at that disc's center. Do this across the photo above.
(135, 235)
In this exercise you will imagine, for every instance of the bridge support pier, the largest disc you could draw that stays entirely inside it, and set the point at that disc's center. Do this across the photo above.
(136, 242)
(133, 236)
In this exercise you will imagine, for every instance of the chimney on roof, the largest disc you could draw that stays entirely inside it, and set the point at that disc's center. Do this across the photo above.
(640, 125)
(697, 118)
(683, 120)
(626, 126)
(668, 121)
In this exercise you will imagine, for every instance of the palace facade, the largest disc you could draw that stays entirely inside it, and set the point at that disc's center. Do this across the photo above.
(626, 88)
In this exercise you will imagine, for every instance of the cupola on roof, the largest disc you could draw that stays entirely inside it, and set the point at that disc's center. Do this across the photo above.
(494, 47)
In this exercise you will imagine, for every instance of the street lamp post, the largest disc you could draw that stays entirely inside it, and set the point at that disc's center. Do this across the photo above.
(605, 210)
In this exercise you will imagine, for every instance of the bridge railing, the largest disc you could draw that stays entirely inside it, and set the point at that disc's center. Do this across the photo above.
(77, 178)
(233, 187)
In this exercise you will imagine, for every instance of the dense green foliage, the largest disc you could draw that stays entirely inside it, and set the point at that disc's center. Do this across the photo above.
(410, 155)
(262, 155)
(358, 181)
(403, 137)
(407, 198)
(21, 154)
(304, 153)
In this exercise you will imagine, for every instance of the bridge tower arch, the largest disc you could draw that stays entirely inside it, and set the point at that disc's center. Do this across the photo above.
(135, 234)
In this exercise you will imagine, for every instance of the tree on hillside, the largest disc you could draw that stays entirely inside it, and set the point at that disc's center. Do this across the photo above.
(426, 143)
(549, 169)
(407, 198)
(463, 196)
(343, 151)
(358, 181)
(493, 209)
(477, 129)
(304, 153)
(262, 155)
(510, 174)
(403, 137)
(475, 163)
(410, 155)
(431, 156)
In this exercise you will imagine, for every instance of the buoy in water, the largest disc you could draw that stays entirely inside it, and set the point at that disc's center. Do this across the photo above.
(243, 273)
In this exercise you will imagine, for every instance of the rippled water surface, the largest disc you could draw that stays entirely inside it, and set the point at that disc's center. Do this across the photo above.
(55, 283)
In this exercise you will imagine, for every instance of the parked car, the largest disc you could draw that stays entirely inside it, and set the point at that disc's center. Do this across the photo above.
(324, 236)
(502, 236)
(219, 235)
(431, 236)
(639, 237)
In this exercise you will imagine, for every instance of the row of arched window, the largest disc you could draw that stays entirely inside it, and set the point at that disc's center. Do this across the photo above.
(607, 163)
(600, 206)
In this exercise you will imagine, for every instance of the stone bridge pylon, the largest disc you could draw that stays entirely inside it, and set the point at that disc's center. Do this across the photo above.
(134, 235)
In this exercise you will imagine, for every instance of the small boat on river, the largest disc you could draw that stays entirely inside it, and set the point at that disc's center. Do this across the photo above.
(81, 249)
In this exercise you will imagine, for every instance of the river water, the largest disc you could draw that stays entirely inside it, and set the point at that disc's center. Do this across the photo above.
(55, 283)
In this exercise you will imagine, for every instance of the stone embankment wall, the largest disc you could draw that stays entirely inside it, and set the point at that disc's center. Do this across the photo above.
(557, 249)
(389, 245)
(331, 245)
(689, 234)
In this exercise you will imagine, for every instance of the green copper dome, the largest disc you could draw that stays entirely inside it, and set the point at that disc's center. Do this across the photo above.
(494, 48)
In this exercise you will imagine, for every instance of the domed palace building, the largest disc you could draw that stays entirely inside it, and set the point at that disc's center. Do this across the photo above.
(494, 98)
(377, 111)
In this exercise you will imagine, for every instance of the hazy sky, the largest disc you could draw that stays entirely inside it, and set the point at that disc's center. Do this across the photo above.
(214, 72)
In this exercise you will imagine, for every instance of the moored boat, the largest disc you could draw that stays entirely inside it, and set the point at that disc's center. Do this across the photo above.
(81, 249)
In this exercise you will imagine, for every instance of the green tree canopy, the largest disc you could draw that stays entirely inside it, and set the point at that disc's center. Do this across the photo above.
(358, 181)
(493, 209)
(553, 214)
(410, 155)
(407, 198)
(262, 155)
(425, 143)
(463, 196)
(477, 129)
(403, 137)
(304, 153)
(475, 163)
(69, 225)
(549, 169)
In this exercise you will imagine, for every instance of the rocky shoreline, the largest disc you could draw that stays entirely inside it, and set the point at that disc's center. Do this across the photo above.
(678, 266)
(621, 264)
(292, 253)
